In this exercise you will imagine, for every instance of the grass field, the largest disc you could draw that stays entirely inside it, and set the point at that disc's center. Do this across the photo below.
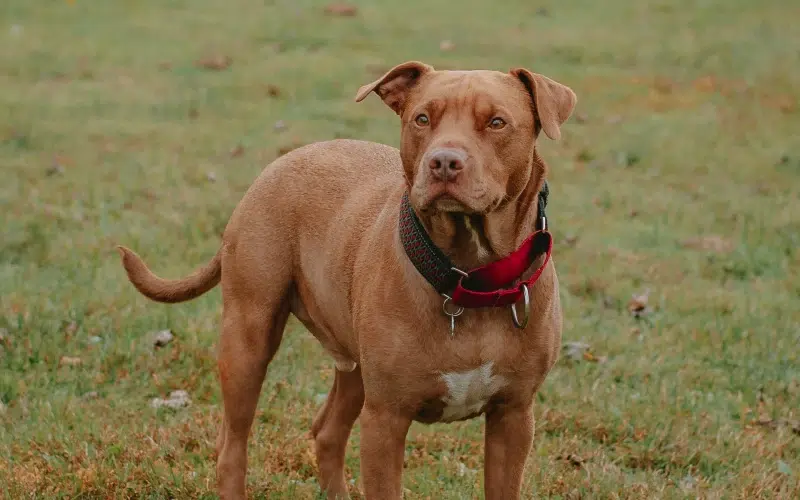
(143, 123)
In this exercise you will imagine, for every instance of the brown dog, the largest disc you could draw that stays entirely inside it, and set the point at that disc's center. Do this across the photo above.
(330, 233)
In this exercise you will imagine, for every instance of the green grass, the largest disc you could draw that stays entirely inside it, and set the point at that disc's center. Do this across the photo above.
(688, 125)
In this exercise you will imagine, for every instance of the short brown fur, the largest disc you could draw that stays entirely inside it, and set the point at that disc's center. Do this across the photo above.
(316, 236)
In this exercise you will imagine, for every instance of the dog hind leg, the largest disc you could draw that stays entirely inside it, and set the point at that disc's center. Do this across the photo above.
(255, 311)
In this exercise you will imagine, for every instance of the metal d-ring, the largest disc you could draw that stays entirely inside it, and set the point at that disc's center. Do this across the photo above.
(527, 298)
(453, 314)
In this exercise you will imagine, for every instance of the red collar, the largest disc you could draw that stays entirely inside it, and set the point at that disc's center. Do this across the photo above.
(496, 284)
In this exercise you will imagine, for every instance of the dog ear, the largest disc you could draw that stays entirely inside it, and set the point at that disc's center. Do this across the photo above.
(553, 102)
(393, 87)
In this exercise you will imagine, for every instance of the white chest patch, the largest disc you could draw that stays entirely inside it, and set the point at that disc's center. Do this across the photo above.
(468, 392)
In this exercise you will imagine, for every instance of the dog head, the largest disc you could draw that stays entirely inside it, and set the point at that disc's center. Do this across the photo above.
(467, 140)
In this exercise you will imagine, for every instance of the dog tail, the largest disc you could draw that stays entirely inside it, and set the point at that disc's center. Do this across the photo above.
(170, 291)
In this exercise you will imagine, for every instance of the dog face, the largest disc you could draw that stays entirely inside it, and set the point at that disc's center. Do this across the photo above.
(468, 137)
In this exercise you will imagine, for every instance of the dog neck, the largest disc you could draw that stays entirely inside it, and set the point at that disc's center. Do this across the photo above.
(472, 240)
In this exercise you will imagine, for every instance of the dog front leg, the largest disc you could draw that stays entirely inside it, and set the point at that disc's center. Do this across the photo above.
(509, 435)
(383, 438)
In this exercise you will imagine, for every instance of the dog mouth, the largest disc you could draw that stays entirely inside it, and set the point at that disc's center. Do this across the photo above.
(447, 201)
(439, 198)
(444, 199)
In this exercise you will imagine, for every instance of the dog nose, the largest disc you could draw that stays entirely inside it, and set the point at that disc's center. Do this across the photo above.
(445, 164)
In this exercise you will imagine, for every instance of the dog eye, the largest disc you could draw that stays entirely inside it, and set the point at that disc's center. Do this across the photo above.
(497, 123)
(422, 120)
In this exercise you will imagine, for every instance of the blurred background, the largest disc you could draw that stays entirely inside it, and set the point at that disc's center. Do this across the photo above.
(675, 206)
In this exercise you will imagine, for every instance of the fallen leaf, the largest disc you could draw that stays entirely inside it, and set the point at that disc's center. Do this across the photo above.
(574, 350)
(273, 90)
(573, 459)
(710, 243)
(211, 177)
(214, 62)
(446, 46)
(165, 65)
(176, 399)
(193, 113)
(638, 304)
(766, 422)
(793, 425)
(162, 338)
(341, 9)
(581, 118)
(613, 119)
(91, 395)
(463, 470)
(664, 85)
(55, 168)
(688, 482)
(588, 356)
(236, 151)
(70, 361)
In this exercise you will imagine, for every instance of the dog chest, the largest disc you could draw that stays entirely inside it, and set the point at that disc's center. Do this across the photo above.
(468, 392)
